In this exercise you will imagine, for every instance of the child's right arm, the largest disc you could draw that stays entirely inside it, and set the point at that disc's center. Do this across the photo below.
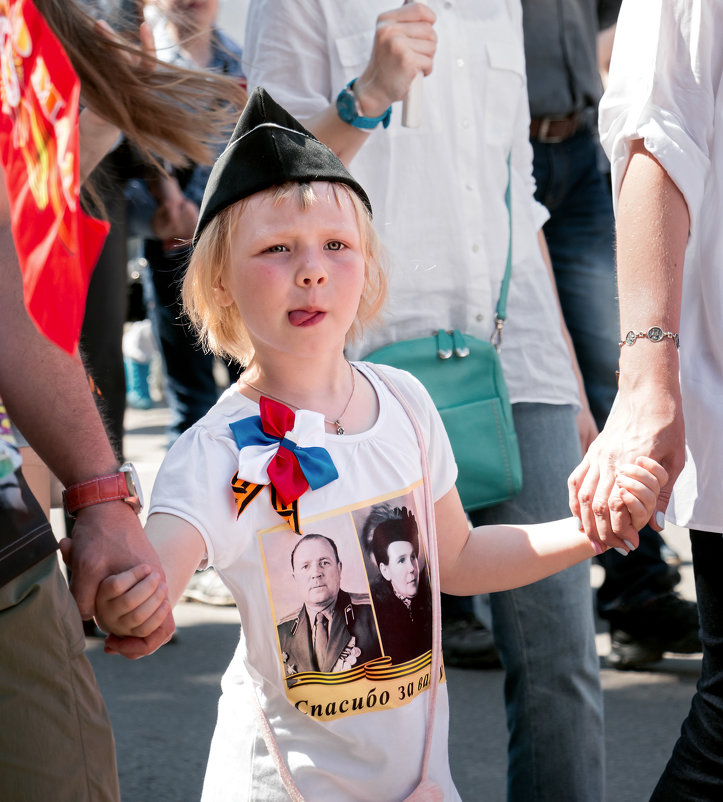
(133, 603)
(500, 557)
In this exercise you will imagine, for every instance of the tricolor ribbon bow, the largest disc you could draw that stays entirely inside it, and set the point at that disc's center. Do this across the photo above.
(284, 449)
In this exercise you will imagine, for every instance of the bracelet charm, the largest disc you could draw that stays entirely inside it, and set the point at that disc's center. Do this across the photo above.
(654, 334)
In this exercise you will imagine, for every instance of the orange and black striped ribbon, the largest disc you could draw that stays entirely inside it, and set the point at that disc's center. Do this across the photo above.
(245, 492)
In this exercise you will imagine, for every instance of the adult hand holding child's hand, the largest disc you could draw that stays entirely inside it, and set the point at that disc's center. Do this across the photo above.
(633, 432)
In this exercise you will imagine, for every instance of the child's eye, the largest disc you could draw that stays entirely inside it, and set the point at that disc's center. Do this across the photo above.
(335, 245)
(277, 249)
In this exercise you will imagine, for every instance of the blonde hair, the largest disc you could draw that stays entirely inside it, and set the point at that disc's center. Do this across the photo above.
(221, 329)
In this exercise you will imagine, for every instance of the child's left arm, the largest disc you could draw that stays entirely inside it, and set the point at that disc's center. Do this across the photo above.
(491, 558)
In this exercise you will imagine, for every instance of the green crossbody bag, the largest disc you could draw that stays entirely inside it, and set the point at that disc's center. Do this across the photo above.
(463, 375)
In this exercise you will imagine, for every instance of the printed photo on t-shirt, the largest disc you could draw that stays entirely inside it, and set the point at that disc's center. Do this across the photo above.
(399, 581)
(352, 604)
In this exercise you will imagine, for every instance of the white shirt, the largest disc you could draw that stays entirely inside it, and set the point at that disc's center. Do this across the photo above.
(666, 87)
(337, 747)
(438, 190)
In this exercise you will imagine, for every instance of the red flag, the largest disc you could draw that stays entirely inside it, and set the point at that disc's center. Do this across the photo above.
(57, 243)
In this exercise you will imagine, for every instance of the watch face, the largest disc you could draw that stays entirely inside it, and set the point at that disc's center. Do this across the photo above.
(346, 106)
(133, 483)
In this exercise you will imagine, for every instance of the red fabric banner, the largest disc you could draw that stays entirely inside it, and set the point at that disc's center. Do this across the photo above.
(57, 243)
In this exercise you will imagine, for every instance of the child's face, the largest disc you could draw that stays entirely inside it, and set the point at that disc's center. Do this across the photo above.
(296, 275)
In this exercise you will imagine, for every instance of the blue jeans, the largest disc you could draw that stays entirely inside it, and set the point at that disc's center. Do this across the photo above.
(695, 771)
(580, 235)
(545, 633)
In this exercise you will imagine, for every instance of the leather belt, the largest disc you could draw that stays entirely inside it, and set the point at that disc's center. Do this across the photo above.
(551, 130)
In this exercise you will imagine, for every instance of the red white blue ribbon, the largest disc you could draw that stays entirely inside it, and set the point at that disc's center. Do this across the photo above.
(283, 448)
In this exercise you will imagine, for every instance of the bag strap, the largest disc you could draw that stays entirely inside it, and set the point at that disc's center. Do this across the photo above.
(501, 311)
(433, 554)
(436, 666)
(272, 747)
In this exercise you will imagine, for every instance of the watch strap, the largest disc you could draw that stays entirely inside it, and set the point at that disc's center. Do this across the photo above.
(358, 120)
(95, 491)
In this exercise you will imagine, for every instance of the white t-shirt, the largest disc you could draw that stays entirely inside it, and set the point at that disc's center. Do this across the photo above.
(666, 87)
(438, 191)
(355, 732)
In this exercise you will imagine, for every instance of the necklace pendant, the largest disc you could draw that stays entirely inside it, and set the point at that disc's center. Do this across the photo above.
(339, 427)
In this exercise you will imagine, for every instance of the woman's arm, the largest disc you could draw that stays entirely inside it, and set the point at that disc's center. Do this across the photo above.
(652, 234)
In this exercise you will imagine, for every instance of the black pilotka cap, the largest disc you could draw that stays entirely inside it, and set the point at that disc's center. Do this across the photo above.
(268, 148)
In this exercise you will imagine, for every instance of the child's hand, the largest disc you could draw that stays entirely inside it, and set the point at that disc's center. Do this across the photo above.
(132, 603)
(638, 488)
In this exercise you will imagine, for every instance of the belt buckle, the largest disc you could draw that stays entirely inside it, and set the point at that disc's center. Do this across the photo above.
(543, 134)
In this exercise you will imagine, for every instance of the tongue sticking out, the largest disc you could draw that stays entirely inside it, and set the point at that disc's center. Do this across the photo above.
(299, 317)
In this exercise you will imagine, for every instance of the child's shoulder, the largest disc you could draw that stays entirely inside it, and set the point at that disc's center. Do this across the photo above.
(231, 406)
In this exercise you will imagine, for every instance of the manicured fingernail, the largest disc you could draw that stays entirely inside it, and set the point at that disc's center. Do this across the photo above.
(578, 523)
(629, 545)
(597, 547)
(622, 551)
(660, 519)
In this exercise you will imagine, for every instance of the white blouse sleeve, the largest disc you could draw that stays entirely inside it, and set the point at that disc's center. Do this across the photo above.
(663, 77)
(286, 52)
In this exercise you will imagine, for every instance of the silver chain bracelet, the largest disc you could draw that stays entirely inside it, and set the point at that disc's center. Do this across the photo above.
(654, 334)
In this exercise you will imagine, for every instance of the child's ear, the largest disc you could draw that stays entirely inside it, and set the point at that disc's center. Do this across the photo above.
(221, 295)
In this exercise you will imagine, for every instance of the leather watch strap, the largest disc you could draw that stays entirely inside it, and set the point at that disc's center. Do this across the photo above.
(95, 491)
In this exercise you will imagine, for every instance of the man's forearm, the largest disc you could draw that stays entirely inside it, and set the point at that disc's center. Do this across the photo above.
(45, 390)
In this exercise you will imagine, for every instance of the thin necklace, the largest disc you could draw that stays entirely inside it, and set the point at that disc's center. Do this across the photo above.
(337, 422)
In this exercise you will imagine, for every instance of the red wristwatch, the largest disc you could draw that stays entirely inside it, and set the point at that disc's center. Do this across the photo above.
(121, 486)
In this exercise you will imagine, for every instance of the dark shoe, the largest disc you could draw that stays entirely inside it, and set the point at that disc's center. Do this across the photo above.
(467, 643)
(641, 635)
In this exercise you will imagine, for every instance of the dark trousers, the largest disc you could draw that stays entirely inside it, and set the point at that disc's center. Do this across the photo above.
(101, 341)
(695, 770)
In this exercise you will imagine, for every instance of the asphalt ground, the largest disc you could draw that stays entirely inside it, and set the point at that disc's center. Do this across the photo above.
(163, 707)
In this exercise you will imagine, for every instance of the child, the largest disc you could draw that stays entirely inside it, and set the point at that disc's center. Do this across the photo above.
(285, 268)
